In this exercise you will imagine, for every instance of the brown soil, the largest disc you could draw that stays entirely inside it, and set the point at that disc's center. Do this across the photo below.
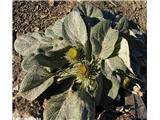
(31, 16)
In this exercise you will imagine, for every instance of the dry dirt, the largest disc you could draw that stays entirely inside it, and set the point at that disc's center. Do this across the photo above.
(30, 16)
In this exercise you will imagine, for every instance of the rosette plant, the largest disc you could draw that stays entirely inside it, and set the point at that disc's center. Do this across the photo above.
(85, 53)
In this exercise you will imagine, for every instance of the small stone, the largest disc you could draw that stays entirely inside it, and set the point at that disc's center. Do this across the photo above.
(42, 16)
(15, 88)
(36, 29)
(51, 2)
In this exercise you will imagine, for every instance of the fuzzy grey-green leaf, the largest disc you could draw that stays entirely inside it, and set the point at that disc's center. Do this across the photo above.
(69, 106)
(74, 29)
(52, 60)
(107, 70)
(35, 83)
(29, 62)
(124, 53)
(116, 63)
(110, 67)
(26, 44)
(50, 33)
(98, 33)
(45, 38)
(52, 107)
(87, 9)
(57, 27)
(108, 44)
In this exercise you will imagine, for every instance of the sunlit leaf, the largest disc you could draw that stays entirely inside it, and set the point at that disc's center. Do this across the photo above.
(91, 14)
(124, 53)
(108, 45)
(74, 29)
(107, 70)
(35, 83)
(87, 9)
(26, 44)
(52, 60)
(70, 106)
(57, 27)
(98, 33)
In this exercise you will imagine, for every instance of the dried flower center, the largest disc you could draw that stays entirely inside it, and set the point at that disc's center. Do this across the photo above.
(72, 53)
(81, 69)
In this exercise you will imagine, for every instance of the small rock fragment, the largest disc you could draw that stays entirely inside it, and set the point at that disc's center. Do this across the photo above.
(51, 2)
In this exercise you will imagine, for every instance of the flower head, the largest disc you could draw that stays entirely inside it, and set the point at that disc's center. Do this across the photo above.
(72, 53)
(81, 69)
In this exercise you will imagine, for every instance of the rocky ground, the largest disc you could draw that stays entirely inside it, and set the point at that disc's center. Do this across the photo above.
(31, 16)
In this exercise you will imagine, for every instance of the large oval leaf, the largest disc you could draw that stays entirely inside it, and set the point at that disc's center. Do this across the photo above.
(87, 9)
(49, 59)
(70, 106)
(26, 44)
(55, 30)
(57, 27)
(50, 39)
(115, 69)
(52, 62)
(98, 33)
(107, 70)
(40, 36)
(91, 14)
(59, 44)
(74, 29)
(108, 44)
(29, 62)
(116, 63)
(35, 83)
(50, 33)
(124, 53)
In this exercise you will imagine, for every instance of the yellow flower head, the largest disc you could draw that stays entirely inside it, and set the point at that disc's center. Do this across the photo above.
(72, 53)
